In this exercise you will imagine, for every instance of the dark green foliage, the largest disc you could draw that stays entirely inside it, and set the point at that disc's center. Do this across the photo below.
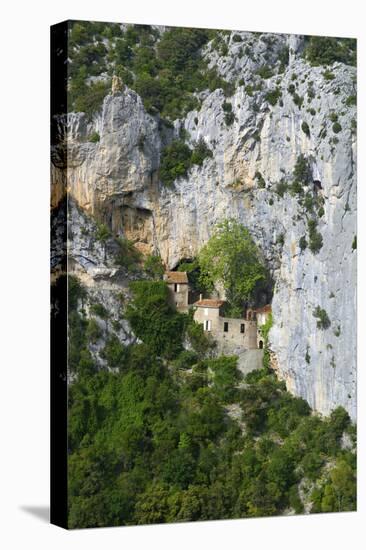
(147, 445)
(305, 128)
(153, 320)
(315, 238)
(75, 292)
(249, 90)
(302, 170)
(200, 342)
(336, 127)
(323, 50)
(193, 270)
(265, 72)
(321, 315)
(272, 96)
(94, 137)
(225, 377)
(309, 202)
(154, 266)
(328, 75)
(232, 258)
(177, 158)
(351, 100)
(283, 57)
(164, 69)
(280, 239)
(229, 116)
(88, 98)
(115, 353)
(93, 331)
(298, 100)
(99, 310)
(321, 212)
(103, 233)
(354, 243)
(260, 180)
(303, 243)
(200, 152)
(281, 188)
(338, 492)
(186, 359)
(175, 162)
(296, 188)
(333, 117)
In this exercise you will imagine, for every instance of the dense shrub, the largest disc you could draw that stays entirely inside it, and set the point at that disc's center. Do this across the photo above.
(305, 128)
(302, 170)
(265, 72)
(177, 158)
(200, 152)
(175, 162)
(151, 441)
(94, 137)
(281, 188)
(88, 98)
(260, 180)
(328, 75)
(324, 50)
(164, 69)
(321, 315)
(351, 100)
(272, 96)
(152, 318)
(315, 238)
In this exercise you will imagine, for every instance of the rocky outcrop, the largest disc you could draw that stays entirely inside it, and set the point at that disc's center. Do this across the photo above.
(116, 180)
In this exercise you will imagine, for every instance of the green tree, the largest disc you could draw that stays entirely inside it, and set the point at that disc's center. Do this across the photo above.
(175, 162)
(153, 320)
(231, 258)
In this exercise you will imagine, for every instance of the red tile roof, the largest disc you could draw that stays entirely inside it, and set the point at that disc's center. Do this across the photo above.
(264, 309)
(209, 303)
(176, 277)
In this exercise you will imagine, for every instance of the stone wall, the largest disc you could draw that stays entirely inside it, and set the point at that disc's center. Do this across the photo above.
(233, 337)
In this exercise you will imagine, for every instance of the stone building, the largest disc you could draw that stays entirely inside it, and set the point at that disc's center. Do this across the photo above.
(225, 330)
(177, 282)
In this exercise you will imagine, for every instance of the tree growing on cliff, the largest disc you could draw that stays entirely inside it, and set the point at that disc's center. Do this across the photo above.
(231, 258)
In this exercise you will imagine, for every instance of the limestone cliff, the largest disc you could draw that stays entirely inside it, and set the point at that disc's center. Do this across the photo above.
(117, 181)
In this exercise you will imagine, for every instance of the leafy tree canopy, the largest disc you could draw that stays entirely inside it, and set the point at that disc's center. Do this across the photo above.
(231, 258)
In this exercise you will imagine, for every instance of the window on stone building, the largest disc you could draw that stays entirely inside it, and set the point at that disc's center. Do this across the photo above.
(226, 327)
(208, 325)
(175, 287)
(242, 328)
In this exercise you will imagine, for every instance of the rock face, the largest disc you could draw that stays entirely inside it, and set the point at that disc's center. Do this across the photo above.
(117, 181)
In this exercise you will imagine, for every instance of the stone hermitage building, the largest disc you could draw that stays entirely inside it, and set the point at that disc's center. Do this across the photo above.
(209, 312)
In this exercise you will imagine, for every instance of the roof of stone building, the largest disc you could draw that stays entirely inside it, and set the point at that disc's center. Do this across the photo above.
(176, 277)
(264, 309)
(208, 302)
